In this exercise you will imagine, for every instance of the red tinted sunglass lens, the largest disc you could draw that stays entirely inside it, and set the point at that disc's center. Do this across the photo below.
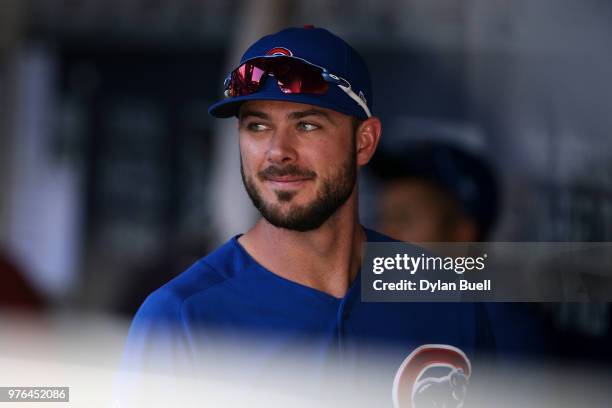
(245, 80)
(295, 76)
(292, 76)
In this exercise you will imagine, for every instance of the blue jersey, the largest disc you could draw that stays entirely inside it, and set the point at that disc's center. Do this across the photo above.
(228, 296)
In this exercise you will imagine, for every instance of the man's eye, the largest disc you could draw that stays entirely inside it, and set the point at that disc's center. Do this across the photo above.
(256, 127)
(308, 126)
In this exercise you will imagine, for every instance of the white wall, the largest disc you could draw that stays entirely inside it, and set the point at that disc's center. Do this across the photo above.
(42, 200)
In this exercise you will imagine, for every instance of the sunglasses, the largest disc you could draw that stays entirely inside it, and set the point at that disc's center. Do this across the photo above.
(293, 76)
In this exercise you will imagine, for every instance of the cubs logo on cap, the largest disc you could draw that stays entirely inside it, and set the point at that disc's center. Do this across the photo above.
(278, 51)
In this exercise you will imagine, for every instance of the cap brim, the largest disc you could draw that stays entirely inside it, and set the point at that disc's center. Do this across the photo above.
(230, 107)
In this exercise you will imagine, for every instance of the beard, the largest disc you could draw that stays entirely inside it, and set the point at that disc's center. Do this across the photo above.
(333, 194)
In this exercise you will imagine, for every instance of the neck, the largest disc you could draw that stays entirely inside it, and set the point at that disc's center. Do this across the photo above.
(326, 259)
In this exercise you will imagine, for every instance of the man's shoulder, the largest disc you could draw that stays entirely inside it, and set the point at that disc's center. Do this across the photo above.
(214, 269)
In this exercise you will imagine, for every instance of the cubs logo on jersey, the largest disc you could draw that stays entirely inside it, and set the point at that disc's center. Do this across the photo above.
(433, 375)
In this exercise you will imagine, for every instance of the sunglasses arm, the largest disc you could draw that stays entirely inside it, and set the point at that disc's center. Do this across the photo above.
(356, 98)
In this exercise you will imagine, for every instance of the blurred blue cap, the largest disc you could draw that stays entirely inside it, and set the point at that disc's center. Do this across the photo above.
(319, 47)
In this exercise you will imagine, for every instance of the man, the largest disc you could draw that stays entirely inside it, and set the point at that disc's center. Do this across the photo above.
(436, 192)
(303, 100)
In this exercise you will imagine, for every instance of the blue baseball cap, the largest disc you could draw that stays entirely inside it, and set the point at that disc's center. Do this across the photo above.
(318, 47)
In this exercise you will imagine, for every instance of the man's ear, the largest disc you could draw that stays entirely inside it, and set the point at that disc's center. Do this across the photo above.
(367, 138)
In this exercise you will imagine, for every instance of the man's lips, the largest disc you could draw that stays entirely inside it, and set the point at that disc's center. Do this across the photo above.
(287, 179)
(287, 182)
(291, 177)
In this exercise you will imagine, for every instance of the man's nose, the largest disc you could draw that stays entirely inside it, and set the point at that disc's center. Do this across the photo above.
(282, 147)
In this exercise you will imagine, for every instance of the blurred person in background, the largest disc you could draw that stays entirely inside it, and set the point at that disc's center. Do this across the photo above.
(436, 192)
(433, 191)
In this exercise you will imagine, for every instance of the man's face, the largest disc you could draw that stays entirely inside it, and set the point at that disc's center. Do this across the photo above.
(415, 210)
(298, 162)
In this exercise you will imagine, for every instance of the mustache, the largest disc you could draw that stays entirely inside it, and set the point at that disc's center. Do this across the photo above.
(288, 170)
